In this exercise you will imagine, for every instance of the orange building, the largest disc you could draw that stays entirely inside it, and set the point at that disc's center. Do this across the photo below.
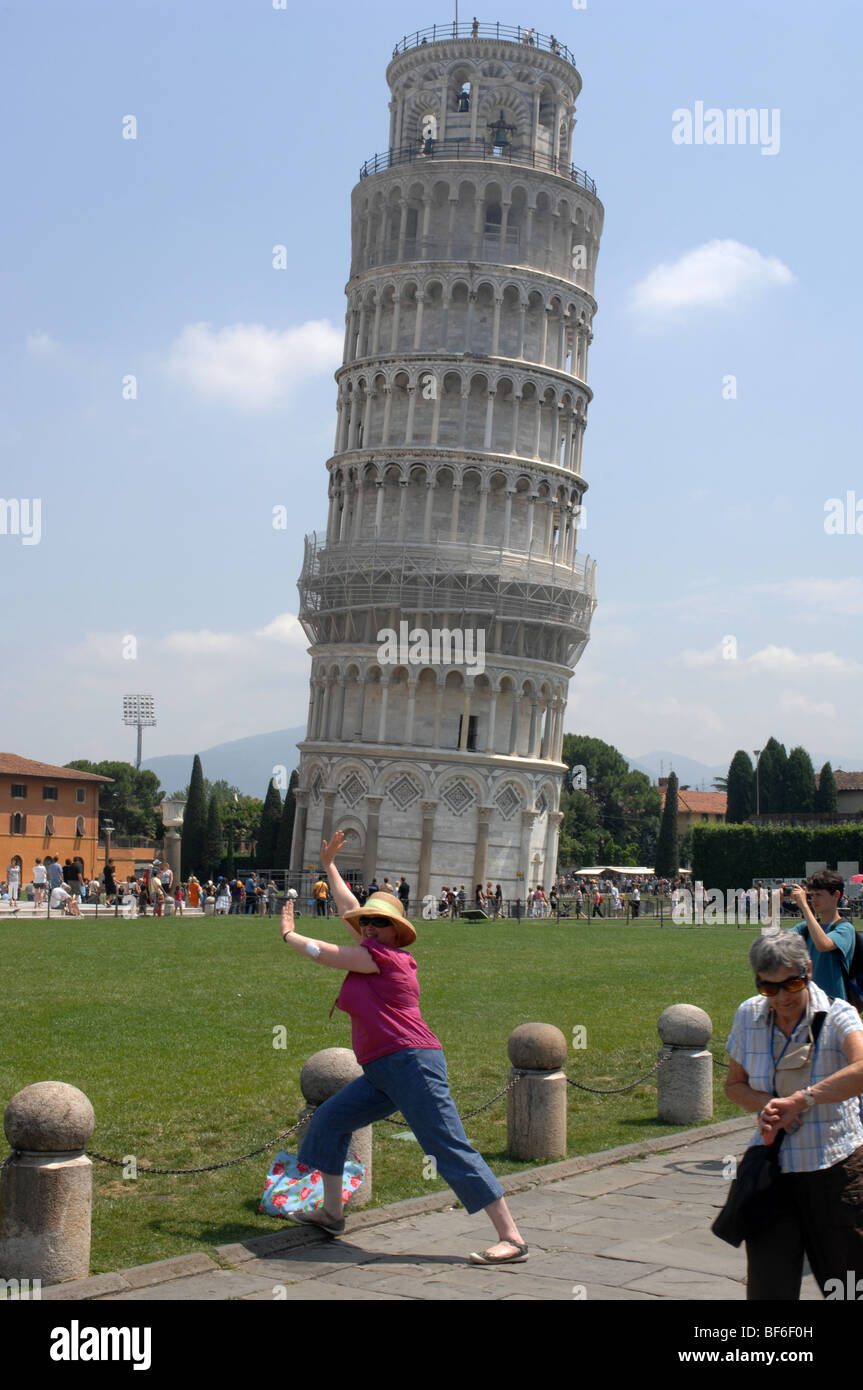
(47, 810)
(696, 808)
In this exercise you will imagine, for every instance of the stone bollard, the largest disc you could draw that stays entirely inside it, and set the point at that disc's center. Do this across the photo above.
(324, 1075)
(46, 1190)
(685, 1081)
(210, 906)
(536, 1105)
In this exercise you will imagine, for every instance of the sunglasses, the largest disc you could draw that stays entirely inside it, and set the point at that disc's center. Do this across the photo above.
(770, 988)
(376, 922)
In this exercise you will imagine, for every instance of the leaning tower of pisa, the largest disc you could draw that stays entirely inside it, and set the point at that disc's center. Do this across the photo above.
(448, 603)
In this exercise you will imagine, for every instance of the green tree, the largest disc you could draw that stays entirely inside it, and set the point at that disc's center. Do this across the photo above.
(771, 776)
(268, 830)
(213, 850)
(194, 823)
(740, 788)
(282, 854)
(799, 783)
(131, 800)
(826, 800)
(668, 850)
(628, 808)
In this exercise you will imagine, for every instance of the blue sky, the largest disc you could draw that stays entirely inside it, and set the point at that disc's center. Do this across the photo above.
(726, 611)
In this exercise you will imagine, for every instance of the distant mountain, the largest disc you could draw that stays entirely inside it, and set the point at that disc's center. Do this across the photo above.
(245, 763)
(689, 772)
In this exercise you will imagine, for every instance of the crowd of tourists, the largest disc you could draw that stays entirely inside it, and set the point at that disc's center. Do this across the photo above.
(66, 887)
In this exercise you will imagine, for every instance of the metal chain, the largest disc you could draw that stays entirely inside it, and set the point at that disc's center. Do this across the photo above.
(399, 1120)
(620, 1089)
(717, 1063)
(210, 1168)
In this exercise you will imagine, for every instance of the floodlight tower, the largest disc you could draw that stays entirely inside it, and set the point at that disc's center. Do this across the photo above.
(139, 711)
(456, 483)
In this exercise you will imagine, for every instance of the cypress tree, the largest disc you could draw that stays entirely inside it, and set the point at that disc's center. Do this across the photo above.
(268, 831)
(740, 788)
(282, 855)
(771, 776)
(668, 850)
(194, 823)
(212, 855)
(799, 785)
(825, 795)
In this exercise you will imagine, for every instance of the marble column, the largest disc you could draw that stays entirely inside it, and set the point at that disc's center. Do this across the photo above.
(298, 844)
(329, 804)
(480, 854)
(428, 809)
(373, 823)
(552, 833)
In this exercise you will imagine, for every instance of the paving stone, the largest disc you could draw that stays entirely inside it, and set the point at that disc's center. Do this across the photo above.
(623, 1201)
(596, 1269)
(84, 1288)
(217, 1286)
(606, 1180)
(704, 1261)
(141, 1276)
(292, 1271)
(319, 1291)
(622, 1228)
(689, 1284)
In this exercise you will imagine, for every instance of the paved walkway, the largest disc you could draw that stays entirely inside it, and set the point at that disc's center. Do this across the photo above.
(631, 1223)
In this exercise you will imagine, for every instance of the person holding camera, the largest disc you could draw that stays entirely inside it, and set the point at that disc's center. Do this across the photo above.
(829, 938)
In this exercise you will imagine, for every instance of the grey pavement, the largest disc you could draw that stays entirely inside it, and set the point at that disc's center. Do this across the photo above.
(629, 1224)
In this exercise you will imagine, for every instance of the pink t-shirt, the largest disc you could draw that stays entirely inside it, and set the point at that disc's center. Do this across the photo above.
(385, 1008)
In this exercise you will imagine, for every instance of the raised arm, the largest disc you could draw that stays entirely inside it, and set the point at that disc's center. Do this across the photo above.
(354, 958)
(342, 895)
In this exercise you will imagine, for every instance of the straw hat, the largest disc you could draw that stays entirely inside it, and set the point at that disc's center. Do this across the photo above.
(384, 905)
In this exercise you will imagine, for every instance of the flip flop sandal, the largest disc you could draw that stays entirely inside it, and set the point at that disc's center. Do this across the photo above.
(306, 1218)
(486, 1259)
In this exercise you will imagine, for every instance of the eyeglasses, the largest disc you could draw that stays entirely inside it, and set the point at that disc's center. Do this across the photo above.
(794, 984)
(375, 922)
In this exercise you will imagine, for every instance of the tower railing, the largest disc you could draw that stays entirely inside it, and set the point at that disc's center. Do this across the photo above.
(422, 151)
(509, 33)
(324, 558)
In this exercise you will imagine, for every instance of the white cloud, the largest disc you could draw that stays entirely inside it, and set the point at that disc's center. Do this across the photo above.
(189, 643)
(250, 366)
(687, 717)
(776, 660)
(819, 598)
(771, 660)
(719, 272)
(792, 703)
(42, 345)
(285, 628)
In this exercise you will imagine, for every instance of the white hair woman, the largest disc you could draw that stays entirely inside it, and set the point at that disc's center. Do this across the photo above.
(804, 1076)
(403, 1064)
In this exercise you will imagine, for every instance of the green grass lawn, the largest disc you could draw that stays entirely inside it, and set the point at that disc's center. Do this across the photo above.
(168, 1027)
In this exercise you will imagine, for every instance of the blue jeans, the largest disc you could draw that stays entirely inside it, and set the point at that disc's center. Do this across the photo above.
(414, 1082)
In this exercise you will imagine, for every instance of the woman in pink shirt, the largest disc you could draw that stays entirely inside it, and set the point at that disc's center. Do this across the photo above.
(402, 1061)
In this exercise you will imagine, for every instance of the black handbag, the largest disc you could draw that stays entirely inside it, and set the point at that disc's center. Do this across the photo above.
(753, 1200)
